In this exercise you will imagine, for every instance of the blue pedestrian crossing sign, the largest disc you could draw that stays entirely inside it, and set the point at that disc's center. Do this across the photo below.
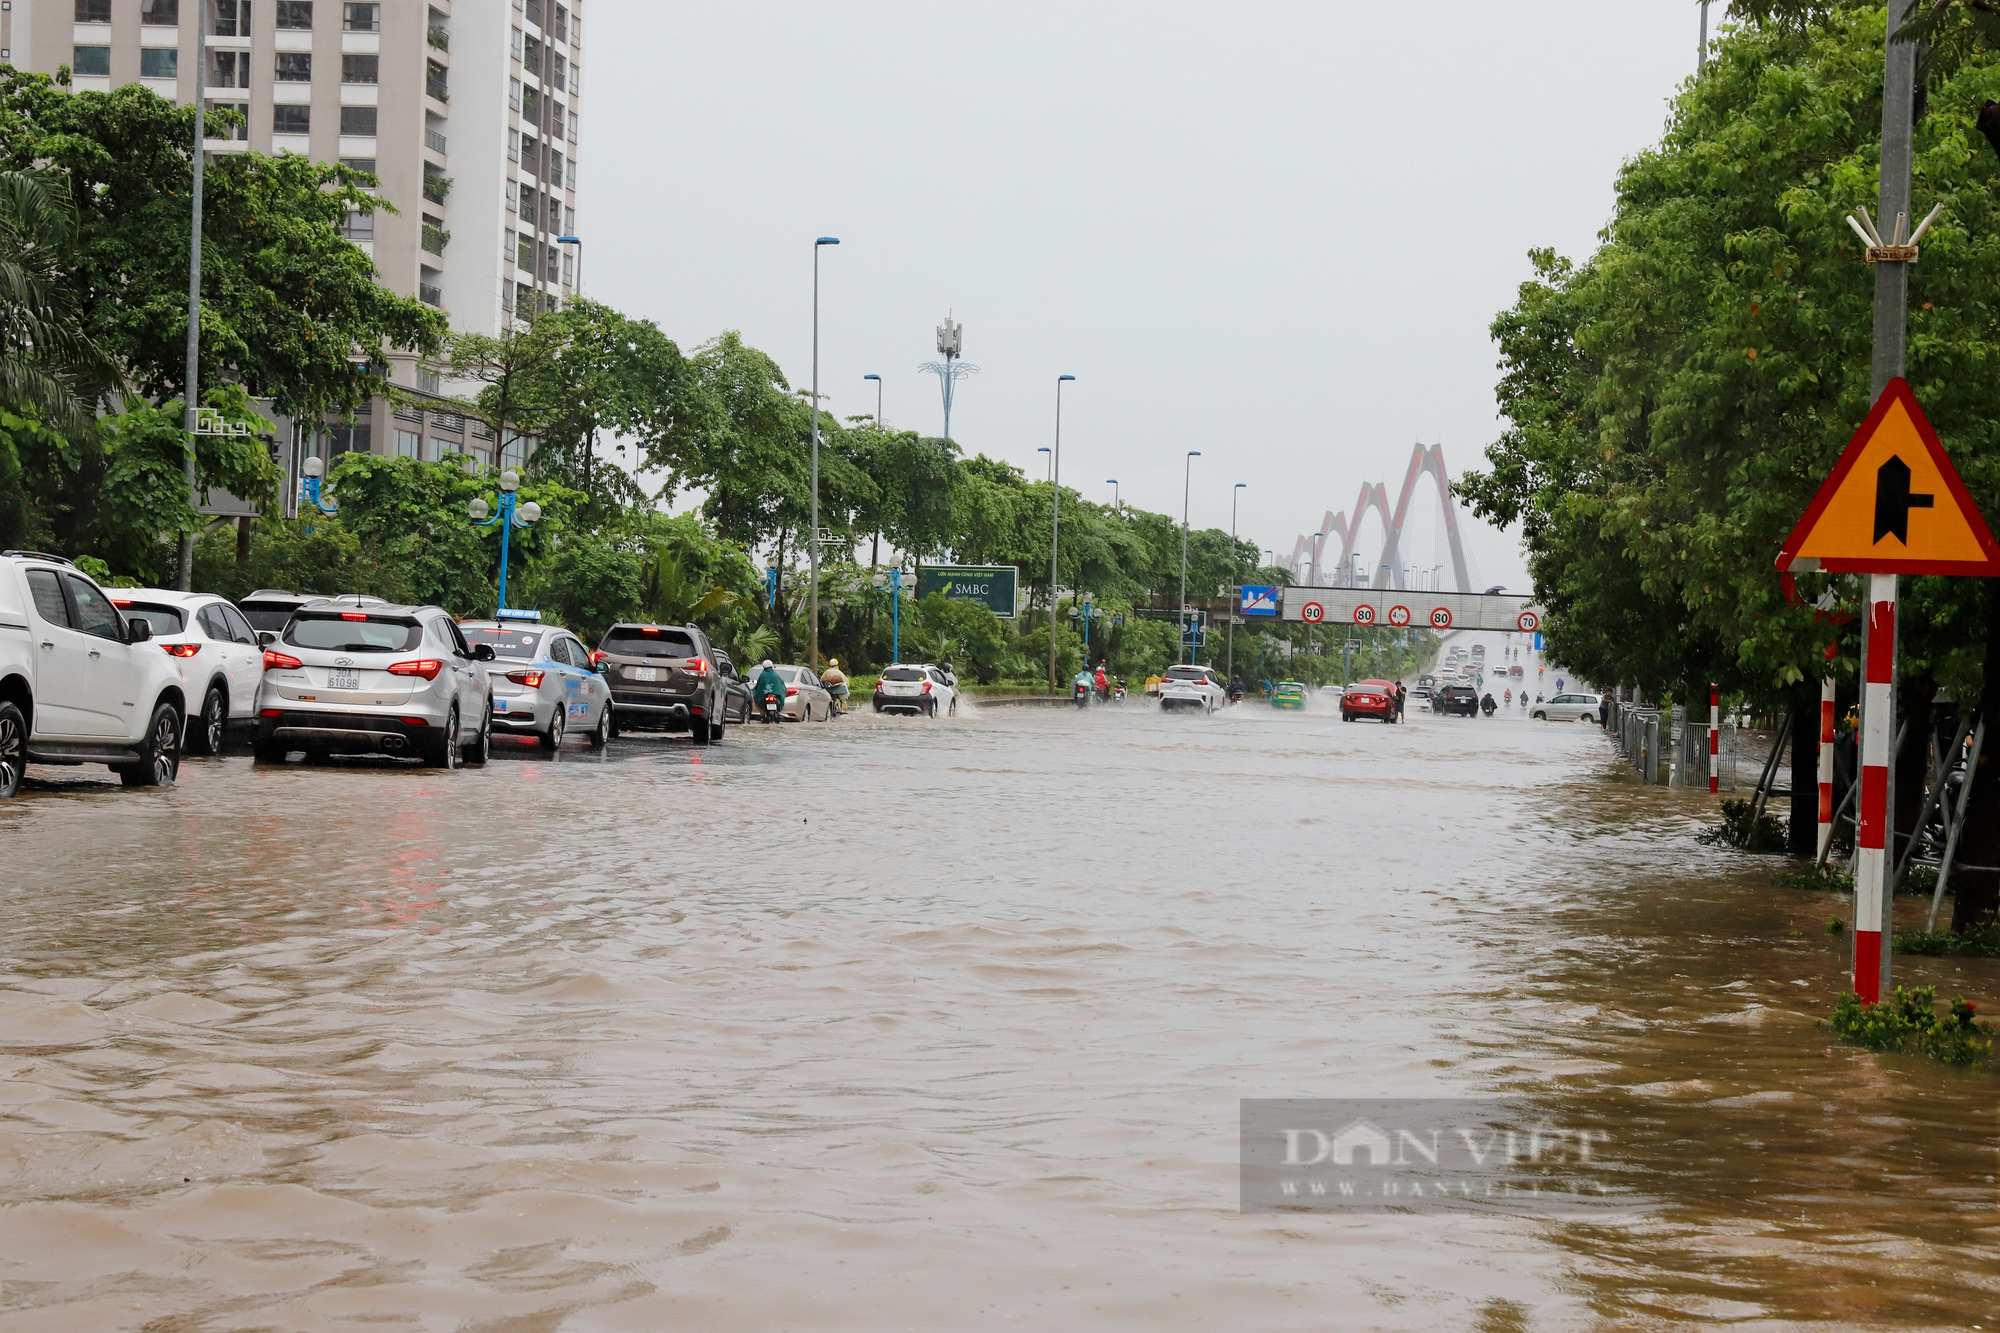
(1259, 601)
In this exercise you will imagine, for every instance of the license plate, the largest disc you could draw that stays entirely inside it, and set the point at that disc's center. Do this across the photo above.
(499, 705)
(342, 678)
(645, 673)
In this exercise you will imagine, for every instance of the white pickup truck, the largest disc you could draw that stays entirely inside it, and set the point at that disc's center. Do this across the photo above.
(1192, 687)
(79, 682)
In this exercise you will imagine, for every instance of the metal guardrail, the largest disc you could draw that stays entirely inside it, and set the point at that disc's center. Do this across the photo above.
(435, 142)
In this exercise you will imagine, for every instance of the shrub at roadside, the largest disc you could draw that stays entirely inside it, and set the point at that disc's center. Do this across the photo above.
(1910, 1024)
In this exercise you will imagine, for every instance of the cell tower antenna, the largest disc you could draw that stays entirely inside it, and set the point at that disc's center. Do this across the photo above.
(950, 345)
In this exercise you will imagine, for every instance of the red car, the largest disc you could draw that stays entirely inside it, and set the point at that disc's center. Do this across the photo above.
(1369, 698)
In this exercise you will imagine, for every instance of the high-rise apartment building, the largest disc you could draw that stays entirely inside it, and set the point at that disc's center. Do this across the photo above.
(466, 111)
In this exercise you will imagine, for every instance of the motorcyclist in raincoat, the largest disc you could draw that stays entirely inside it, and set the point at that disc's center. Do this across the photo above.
(768, 682)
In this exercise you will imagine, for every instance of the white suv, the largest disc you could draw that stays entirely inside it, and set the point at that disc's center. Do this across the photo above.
(79, 683)
(915, 687)
(220, 659)
(1186, 686)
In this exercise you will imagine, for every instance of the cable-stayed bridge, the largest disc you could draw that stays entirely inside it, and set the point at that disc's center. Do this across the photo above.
(1319, 560)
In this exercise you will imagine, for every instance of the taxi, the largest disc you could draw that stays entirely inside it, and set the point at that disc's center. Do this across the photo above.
(1288, 694)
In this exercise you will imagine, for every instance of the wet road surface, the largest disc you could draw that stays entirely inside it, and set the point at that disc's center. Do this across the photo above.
(895, 1024)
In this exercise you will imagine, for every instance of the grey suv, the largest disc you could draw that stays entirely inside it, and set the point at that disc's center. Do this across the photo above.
(664, 676)
(395, 680)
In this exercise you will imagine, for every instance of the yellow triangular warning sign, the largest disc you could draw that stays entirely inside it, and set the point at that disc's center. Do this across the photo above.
(1893, 504)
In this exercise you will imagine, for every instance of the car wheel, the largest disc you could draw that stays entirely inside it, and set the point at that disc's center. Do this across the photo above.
(159, 751)
(213, 723)
(611, 726)
(268, 752)
(13, 749)
(600, 735)
(698, 731)
(443, 753)
(552, 738)
(481, 748)
(1541, 717)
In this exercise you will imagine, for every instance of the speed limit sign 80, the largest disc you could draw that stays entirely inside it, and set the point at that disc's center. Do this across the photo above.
(1364, 614)
(1441, 617)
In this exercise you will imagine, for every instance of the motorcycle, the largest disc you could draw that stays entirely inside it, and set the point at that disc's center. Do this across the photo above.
(1118, 692)
(1083, 694)
(771, 708)
(1487, 706)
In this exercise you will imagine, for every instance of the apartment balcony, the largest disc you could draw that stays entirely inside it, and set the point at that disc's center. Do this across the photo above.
(435, 142)
(430, 295)
(435, 239)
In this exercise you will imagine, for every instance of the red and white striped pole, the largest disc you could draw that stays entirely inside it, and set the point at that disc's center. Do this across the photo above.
(1871, 861)
(1714, 739)
(1826, 721)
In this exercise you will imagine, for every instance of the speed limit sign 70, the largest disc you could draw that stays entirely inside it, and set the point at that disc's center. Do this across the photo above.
(1441, 617)
(1364, 614)
(1529, 622)
(1312, 613)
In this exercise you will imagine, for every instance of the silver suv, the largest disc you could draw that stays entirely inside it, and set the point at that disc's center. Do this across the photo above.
(379, 679)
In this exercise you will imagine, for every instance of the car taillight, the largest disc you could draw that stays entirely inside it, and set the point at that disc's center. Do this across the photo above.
(180, 649)
(927, 687)
(354, 615)
(597, 659)
(279, 661)
(791, 690)
(532, 679)
(698, 665)
(427, 667)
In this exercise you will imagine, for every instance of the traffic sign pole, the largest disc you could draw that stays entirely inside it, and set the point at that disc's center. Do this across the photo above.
(1871, 857)
(1826, 720)
(1714, 739)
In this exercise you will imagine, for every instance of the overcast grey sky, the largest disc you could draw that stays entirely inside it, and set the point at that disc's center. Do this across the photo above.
(1275, 233)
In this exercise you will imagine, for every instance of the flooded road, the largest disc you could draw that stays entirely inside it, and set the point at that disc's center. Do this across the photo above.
(894, 1024)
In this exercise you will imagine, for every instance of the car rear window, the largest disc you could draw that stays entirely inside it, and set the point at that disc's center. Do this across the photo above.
(648, 643)
(521, 644)
(902, 674)
(1186, 673)
(336, 632)
(268, 615)
(161, 619)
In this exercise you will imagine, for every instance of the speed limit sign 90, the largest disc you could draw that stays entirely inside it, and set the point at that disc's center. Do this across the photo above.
(1529, 622)
(1441, 617)
(1312, 613)
(1364, 614)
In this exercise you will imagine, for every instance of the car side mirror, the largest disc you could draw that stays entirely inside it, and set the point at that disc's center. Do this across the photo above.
(266, 637)
(482, 652)
(137, 629)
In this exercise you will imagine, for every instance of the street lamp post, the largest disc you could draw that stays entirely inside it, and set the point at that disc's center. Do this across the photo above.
(192, 394)
(1112, 482)
(1047, 472)
(314, 469)
(1236, 564)
(878, 398)
(1055, 524)
(1187, 479)
(1086, 606)
(576, 241)
(813, 612)
(507, 516)
(893, 580)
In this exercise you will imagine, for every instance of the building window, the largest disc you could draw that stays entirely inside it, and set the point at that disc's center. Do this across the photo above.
(524, 252)
(559, 29)
(560, 73)
(513, 196)
(405, 411)
(91, 60)
(534, 9)
(569, 268)
(291, 119)
(359, 226)
(518, 37)
(409, 444)
(295, 14)
(295, 66)
(366, 164)
(439, 448)
(552, 265)
(347, 440)
(528, 204)
(555, 166)
(555, 215)
(159, 62)
(436, 80)
(240, 130)
(358, 121)
(514, 93)
(569, 181)
(232, 18)
(163, 13)
(572, 127)
(531, 56)
(451, 421)
(93, 11)
(360, 69)
(362, 18)
(569, 222)
(229, 69)
(531, 106)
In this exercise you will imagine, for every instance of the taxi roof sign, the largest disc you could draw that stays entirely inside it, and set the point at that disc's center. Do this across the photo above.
(516, 613)
(1893, 504)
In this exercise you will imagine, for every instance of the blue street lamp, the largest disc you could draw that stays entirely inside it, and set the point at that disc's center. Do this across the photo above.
(878, 398)
(508, 518)
(314, 470)
(893, 581)
(576, 241)
(1112, 482)
(1187, 625)
(1085, 608)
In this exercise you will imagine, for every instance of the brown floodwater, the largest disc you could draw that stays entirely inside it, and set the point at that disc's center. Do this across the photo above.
(890, 1024)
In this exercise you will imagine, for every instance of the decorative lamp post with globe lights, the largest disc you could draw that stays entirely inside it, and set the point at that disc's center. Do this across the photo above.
(508, 516)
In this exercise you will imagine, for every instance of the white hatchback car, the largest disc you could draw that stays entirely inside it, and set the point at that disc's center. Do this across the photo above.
(915, 687)
(1186, 686)
(1571, 707)
(221, 662)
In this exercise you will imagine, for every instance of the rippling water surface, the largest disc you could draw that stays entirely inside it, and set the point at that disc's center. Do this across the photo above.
(892, 1024)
